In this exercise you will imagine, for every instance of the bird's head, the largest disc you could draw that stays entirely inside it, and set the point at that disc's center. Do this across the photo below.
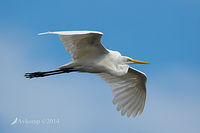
(128, 60)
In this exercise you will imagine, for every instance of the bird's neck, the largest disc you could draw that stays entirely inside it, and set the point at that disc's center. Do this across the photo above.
(120, 70)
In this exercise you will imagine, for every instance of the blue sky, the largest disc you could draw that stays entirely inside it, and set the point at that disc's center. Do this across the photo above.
(164, 33)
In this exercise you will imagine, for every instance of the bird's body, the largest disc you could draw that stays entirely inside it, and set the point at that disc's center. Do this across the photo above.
(108, 63)
(89, 55)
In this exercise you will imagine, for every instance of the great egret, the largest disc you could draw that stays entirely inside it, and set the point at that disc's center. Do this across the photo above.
(128, 85)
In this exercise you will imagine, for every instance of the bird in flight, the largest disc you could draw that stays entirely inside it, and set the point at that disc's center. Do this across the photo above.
(128, 85)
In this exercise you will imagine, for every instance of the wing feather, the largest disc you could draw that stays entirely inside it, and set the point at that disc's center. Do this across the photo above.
(81, 44)
(129, 91)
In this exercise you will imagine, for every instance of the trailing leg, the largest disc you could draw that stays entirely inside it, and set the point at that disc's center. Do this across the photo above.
(48, 73)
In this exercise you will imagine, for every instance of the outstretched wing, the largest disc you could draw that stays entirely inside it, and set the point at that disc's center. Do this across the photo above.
(81, 43)
(129, 91)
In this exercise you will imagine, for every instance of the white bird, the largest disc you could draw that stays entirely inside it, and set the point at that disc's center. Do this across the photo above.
(128, 85)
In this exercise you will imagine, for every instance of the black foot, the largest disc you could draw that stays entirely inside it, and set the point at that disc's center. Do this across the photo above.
(34, 75)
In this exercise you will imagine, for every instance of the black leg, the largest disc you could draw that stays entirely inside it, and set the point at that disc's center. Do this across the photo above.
(48, 73)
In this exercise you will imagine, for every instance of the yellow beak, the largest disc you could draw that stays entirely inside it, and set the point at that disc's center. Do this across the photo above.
(139, 62)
